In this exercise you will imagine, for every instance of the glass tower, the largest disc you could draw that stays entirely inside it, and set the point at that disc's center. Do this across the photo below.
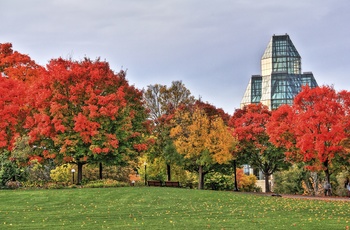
(281, 78)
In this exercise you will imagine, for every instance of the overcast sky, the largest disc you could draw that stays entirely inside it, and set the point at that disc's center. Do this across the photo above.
(213, 47)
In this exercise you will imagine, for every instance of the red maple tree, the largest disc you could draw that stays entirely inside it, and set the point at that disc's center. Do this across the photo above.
(254, 147)
(313, 128)
(18, 66)
(17, 71)
(12, 111)
(85, 112)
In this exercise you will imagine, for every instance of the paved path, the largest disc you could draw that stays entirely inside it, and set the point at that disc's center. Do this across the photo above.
(332, 198)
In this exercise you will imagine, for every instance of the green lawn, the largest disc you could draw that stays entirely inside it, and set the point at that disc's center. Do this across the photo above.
(164, 208)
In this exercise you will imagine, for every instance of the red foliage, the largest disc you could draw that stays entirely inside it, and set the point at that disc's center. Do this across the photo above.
(33, 158)
(48, 155)
(16, 70)
(68, 158)
(280, 127)
(13, 110)
(18, 66)
(313, 128)
(85, 127)
(140, 147)
(69, 106)
(212, 111)
(78, 93)
(85, 109)
(250, 123)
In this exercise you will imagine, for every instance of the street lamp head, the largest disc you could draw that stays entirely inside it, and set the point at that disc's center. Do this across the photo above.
(145, 163)
(73, 170)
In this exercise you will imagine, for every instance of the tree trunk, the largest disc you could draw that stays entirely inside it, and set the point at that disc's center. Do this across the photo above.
(200, 177)
(326, 171)
(267, 184)
(168, 171)
(235, 174)
(101, 170)
(80, 172)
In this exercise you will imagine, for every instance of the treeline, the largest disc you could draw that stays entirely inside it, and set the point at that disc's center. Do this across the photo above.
(74, 113)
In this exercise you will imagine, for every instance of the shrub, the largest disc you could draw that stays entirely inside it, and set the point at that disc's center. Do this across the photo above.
(339, 188)
(106, 183)
(62, 173)
(13, 184)
(190, 181)
(289, 181)
(160, 177)
(10, 170)
(34, 184)
(119, 173)
(55, 185)
(38, 171)
(218, 181)
(246, 183)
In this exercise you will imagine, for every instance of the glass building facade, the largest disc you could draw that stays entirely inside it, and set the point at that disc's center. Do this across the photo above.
(281, 78)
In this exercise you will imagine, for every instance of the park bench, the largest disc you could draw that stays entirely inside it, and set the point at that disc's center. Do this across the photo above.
(154, 183)
(172, 184)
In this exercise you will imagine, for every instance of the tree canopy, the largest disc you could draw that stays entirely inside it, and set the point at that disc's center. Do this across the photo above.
(16, 72)
(18, 66)
(254, 147)
(203, 141)
(314, 128)
(162, 102)
(85, 113)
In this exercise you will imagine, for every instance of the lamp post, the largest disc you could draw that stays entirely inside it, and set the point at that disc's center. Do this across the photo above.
(73, 171)
(235, 173)
(145, 164)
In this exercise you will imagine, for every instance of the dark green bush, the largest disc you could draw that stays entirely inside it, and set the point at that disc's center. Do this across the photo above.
(289, 181)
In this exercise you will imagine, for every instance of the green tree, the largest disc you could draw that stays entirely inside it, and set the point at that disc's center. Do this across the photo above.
(15, 162)
(289, 181)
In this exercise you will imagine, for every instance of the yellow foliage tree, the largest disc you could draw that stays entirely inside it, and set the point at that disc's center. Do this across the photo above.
(202, 140)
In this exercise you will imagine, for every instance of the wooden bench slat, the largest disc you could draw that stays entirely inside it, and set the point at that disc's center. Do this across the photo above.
(166, 183)
(154, 183)
(172, 183)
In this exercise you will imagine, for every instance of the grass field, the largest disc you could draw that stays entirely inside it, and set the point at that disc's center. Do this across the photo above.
(164, 208)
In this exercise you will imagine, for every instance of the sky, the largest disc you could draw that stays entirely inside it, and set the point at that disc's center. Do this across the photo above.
(213, 47)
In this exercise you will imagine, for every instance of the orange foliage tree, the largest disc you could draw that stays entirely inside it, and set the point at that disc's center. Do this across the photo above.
(313, 130)
(203, 141)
